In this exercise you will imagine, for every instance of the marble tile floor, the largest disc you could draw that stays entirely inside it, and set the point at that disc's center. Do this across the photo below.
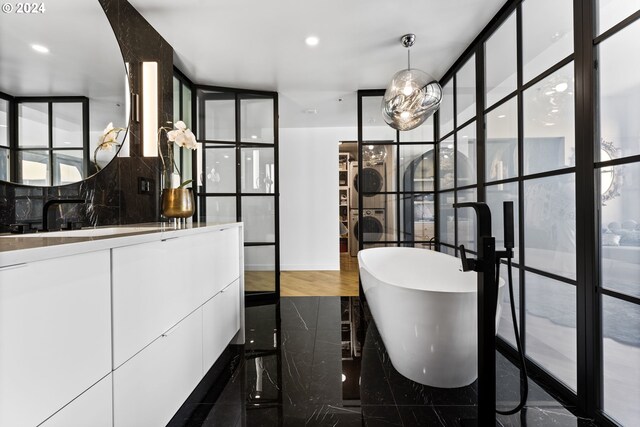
(319, 361)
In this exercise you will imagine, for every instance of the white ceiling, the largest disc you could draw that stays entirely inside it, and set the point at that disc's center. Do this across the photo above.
(259, 44)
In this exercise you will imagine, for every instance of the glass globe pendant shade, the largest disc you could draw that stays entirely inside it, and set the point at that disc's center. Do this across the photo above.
(411, 97)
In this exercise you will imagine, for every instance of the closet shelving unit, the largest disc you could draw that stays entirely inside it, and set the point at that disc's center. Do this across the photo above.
(343, 183)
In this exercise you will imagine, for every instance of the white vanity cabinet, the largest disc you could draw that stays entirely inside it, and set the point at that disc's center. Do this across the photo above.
(116, 331)
(55, 334)
(220, 319)
(92, 408)
(157, 284)
(149, 388)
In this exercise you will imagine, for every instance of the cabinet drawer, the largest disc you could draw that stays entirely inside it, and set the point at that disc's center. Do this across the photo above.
(92, 408)
(55, 334)
(224, 267)
(155, 285)
(221, 321)
(150, 387)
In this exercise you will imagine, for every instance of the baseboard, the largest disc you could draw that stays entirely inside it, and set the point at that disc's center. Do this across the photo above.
(310, 267)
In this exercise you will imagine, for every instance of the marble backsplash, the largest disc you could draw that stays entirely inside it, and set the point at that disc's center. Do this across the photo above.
(112, 195)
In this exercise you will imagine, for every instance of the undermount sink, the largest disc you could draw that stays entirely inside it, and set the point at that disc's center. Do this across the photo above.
(88, 232)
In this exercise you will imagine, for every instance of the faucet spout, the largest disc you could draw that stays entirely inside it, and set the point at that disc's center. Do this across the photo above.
(49, 203)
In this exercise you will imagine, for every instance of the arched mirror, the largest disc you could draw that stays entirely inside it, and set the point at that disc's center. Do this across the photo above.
(62, 81)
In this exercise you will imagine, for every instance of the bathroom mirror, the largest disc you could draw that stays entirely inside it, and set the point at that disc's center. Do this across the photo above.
(62, 81)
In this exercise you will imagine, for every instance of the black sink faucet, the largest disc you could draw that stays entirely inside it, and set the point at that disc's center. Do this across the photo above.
(49, 203)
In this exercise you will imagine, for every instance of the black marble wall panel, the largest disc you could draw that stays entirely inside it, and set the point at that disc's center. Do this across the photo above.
(112, 195)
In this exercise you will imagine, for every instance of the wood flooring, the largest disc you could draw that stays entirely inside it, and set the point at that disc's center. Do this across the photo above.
(309, 283)
(322, 283)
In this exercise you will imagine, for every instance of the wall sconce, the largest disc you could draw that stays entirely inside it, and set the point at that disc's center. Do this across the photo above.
(150, 109)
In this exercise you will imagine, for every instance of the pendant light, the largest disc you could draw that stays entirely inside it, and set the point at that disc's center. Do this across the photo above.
(412, 96)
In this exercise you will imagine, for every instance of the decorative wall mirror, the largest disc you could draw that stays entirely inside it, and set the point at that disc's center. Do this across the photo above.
(62, 81)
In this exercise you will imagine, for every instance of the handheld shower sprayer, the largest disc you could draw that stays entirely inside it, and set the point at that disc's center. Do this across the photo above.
(487, 265)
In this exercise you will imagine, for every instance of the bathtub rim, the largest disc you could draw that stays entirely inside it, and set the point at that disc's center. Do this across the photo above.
(362, 265)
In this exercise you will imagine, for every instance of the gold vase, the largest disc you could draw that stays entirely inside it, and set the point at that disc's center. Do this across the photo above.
(177, 202)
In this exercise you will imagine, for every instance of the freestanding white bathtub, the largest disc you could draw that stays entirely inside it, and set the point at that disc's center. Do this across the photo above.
(426, 311)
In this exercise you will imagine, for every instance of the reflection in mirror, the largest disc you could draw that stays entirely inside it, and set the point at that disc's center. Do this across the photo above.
(62, 81)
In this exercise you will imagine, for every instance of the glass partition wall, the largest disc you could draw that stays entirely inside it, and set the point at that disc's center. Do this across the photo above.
(542, 110)
(238, 131)
(394, 180)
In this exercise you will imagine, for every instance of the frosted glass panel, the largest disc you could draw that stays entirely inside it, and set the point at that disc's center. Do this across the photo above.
(619, 92)
(258, 170)
(446, 109)
(549, 129)
(220, 170)
(611, 12)
(550, 224)
(466, 91)
(374, 128)
(501, 146)
(4, 123)
(551, 326)
(447, 218)
(466, 160)
(417, 167)
(33, 125)
(446, 165)
(67, 125)
(620, 238)
(500, 62)
(258, 215)
(621, 359)
(547, 34)
(220, 209)
(256, 115)
(423, 133)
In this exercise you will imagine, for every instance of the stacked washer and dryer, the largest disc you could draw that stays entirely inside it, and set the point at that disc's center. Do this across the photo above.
(374, 207)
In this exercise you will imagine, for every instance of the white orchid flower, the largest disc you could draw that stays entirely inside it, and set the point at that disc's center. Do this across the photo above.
(182, 136)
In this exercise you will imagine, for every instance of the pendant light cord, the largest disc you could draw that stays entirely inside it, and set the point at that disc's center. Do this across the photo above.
(408, 58)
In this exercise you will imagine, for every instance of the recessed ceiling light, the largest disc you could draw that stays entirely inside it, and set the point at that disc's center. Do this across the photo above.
(254, 136)
(340, 143)
(226, 157)
(67, 142)
(40, 48)
(450, 146)
(344, 377)
(3, 126)
(502, 116)
(310, 111)
(312, 41)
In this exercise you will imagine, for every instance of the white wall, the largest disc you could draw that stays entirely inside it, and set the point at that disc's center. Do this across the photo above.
(309, 216)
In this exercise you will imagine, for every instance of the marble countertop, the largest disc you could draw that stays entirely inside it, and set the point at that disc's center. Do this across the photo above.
(19, 249)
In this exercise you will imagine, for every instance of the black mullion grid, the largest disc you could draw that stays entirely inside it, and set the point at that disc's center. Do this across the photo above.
(480, 125)
(619, 295)
(50, 131)
(587, 302)
(618, 162)
(455, 159)
(616, 28)
(398, 213)
(436, 179)
(521, 243)
(238, 147)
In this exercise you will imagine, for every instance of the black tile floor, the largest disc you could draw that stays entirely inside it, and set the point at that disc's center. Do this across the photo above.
(319, 361)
